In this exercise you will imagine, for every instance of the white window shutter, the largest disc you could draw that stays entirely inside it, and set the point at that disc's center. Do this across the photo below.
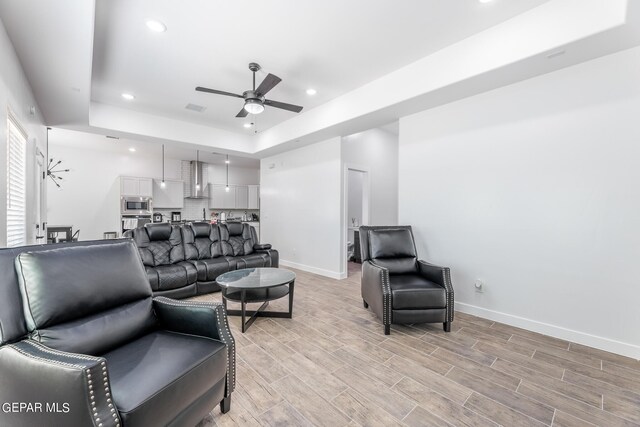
(16, 185)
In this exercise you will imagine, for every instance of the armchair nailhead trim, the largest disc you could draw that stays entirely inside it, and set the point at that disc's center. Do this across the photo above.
(87, 370)
(386, 294)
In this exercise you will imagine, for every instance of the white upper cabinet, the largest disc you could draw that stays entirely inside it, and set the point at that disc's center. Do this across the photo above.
(169, 197)
(219, 198)
(254, 197)
(238, 197)
(136, 186)
(242, 197)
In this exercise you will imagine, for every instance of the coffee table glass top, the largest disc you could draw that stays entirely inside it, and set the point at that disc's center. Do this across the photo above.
(255, 278)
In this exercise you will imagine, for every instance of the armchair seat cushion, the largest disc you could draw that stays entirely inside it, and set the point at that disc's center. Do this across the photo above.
(412, 291)
(153, 374)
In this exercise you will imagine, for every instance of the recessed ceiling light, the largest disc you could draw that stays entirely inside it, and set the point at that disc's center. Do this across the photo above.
(247, 125)
(128, 96)
(132, 149)
(311, 91)
(156, 26)
(485, 1)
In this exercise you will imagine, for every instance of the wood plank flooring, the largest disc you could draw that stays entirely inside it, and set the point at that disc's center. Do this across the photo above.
(332, 365)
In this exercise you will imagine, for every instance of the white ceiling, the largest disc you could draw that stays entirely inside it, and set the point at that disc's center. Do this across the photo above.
(333, 46)
(371, 61)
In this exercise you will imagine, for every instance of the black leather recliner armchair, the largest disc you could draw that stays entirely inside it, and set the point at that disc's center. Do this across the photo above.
(84, 343)
(399, 287)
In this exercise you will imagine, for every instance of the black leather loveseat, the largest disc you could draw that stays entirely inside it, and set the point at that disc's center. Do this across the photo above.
(183, 261)
(84, 343)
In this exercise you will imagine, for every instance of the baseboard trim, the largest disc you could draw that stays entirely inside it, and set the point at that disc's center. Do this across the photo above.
(314, 270)
(606, 344)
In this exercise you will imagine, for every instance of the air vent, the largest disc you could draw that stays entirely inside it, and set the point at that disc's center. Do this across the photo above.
(194, 107)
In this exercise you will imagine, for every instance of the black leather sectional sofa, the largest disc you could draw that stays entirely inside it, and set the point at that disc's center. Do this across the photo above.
(183, 261)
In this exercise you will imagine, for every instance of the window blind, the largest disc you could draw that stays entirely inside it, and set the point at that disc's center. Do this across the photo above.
(16, 185)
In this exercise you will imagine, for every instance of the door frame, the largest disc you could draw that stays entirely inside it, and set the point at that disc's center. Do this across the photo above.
(366, 208)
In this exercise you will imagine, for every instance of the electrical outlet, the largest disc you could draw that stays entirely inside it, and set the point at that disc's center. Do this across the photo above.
(479, 285)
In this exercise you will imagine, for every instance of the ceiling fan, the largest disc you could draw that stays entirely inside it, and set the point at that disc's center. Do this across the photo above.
(254, 100)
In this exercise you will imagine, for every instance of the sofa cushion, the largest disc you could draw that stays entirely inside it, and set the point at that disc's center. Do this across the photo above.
(237, 239)
(209, 269)
(158, 232)
(158, 375)
(98, 290)
(411, 291)
(201, 241)
(175, 275)
(158, 244)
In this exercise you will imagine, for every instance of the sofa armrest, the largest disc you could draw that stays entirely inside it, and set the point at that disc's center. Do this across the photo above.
(376, 290)
(43, 386)
(199, 318)
(441, 276)
(261, 246)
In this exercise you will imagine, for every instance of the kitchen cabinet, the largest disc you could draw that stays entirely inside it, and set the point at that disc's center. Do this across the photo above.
(254, 197)
(136, 186)
(230, 198)
(242, 197)
(216, 196)
(219, 198)
(169, 197)
(238, 197)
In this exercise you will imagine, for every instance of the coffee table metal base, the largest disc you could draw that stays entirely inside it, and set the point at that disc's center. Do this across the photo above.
(253, 314)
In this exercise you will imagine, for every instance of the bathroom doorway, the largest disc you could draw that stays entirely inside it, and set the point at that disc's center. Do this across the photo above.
(356, 203)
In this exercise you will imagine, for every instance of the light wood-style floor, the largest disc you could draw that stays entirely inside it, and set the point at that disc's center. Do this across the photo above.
(332, 365)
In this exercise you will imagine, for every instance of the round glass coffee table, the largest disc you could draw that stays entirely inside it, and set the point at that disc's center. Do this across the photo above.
(250, 285)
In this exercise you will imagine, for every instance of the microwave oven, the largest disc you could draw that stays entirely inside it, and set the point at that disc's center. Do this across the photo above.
(135, 206)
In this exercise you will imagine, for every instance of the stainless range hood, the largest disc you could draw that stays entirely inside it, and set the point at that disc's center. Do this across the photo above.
(197, 185)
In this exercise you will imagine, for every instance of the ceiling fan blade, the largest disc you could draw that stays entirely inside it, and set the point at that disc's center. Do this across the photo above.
(242, 113)
(283, 106)
(218, 92)
(268, 83)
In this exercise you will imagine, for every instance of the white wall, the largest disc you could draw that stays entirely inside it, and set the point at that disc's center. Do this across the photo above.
(237, 175)
(90, 196)
(301, 206)
(16, 96)
(377, 151)
(534, 189)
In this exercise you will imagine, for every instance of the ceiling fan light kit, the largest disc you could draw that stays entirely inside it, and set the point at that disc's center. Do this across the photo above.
(253, 106)
(254, 99)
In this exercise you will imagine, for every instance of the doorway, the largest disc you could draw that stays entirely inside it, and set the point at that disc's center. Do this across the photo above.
(40, 176)
(356, 209)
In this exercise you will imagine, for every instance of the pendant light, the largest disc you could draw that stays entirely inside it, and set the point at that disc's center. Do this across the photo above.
(197, 176)
(227, 163)
(163, 184)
